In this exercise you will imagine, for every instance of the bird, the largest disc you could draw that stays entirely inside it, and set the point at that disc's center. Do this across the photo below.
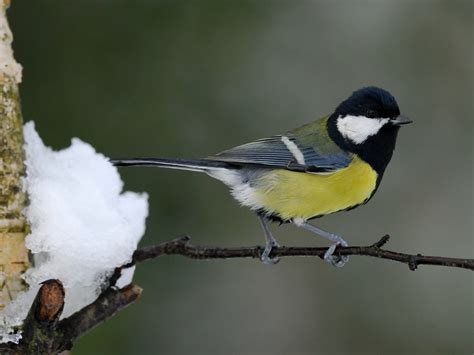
(333, 164)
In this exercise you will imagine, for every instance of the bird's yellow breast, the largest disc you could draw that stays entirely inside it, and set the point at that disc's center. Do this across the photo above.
(302, 195)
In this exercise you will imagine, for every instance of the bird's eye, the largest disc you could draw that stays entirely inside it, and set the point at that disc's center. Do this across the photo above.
(371, 114)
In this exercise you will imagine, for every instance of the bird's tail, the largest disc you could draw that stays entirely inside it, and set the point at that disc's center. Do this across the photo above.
(201, 165)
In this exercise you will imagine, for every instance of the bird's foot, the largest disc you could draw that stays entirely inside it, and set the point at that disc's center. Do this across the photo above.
(269, 244)
(265, 257)
(336, 260)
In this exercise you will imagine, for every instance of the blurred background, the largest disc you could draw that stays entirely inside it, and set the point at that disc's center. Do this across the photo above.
(191, 78)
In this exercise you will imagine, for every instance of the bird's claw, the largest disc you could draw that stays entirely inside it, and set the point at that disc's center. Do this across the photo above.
(265, 257)
(336, 260)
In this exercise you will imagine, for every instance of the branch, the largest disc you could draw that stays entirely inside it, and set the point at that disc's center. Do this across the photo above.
(39, 326)
(45, 334)
(182, 246)
(104, 307)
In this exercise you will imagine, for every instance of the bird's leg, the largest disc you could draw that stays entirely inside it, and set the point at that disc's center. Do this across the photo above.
(270, 243)
(338, 261)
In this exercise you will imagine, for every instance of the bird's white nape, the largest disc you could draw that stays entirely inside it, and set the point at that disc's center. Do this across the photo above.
(358, 128)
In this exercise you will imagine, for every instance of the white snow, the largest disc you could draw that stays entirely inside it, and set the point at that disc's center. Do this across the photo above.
(82, 224)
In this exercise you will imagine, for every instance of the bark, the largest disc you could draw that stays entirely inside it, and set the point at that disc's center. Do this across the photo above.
(13, 226)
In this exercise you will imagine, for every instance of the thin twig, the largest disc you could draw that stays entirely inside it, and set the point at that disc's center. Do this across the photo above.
(182, 246)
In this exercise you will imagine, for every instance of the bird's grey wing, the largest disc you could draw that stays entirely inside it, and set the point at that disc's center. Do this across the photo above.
(287, 152)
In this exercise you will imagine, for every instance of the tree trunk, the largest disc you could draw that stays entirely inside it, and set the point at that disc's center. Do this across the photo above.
(13, 226)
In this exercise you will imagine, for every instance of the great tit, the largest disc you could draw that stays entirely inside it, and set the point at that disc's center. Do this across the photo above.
(333, 164)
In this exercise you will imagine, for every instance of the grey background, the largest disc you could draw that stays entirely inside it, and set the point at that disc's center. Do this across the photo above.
(190, 78)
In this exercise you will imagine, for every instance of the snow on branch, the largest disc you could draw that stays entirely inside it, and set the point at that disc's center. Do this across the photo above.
(82, 226)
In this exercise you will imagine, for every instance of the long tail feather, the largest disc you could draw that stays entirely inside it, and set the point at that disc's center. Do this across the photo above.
(201, 165)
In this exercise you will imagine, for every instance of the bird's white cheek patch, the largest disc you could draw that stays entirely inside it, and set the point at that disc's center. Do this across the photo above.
(359, 128)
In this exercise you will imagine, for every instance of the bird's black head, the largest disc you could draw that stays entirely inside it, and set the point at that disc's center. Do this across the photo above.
(367, 124)
(371, 102)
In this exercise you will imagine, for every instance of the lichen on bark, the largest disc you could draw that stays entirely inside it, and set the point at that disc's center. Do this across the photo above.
(13, 225)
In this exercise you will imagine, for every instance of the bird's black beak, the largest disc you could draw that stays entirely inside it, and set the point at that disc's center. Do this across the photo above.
(401, 120)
